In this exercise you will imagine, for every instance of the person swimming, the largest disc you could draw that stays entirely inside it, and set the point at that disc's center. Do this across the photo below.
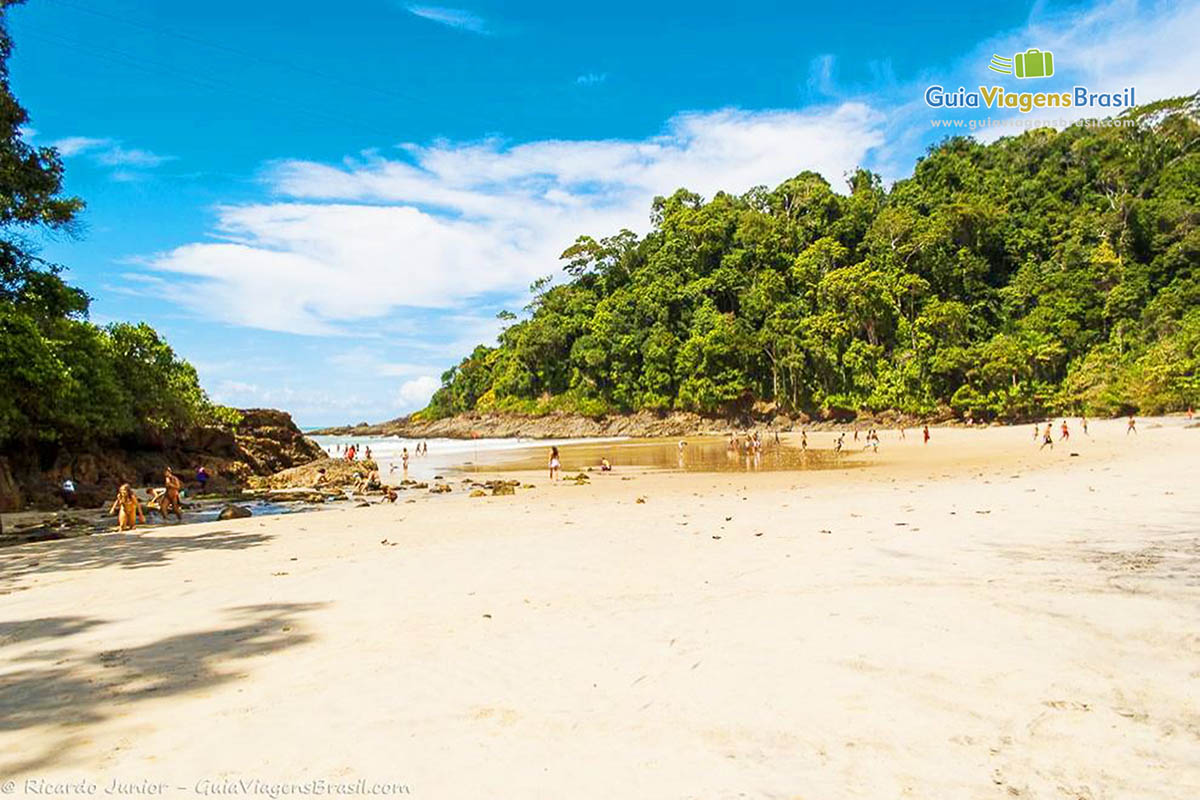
(127, 509)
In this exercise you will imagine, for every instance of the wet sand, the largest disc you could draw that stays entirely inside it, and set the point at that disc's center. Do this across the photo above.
(970, 618)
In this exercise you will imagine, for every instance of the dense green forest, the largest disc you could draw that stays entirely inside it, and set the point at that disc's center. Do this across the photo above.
(1048, 272)
(63, 379)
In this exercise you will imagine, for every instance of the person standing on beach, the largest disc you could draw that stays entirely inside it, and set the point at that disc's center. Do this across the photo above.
(368, 452)
(404, 459)
(555, 463)
(1036, 433)
(804, 440)
(925, 433)
(171, 501)
(1132, 427)
(201, 478)
(1083, 424)
(1066, 432)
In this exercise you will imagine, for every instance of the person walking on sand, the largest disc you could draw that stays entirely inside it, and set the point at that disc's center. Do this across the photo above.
(1066, 432)
(1132, 426)
(127, 509)
(902, 436)
(1047, 438)
(555, 464)
(1037, 432)
(925, 433)
(1083, 424)
(837, 446)
(804, 441)
(171, 501)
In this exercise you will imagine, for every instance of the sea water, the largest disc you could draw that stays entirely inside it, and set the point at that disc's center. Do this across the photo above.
(446, 456)
(699, 454)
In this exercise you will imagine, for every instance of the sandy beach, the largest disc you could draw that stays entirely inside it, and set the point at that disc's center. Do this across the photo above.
(970, 618)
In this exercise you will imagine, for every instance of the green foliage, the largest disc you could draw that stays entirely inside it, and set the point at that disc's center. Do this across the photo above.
(62, 378)
(1053, 271)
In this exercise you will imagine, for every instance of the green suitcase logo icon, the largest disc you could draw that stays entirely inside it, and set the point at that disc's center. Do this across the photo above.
(1033, 63)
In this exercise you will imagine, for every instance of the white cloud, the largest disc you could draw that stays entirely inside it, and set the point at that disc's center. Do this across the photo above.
(415, 394)
(110, 153)
(592, 78)
(453, 17)
(119, 156)
(74, 145)
(454, 222)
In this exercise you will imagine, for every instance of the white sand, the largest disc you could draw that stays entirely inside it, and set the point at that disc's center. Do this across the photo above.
(1031, 629)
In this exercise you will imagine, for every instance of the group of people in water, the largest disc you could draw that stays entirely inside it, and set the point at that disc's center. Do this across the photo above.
(166, 499)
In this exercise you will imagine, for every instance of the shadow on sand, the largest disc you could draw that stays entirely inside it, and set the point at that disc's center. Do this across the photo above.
(125, 550)
(66, 689)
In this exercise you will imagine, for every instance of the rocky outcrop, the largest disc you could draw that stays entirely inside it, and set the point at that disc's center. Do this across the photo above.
(269, 441)
(329, 473)
(264, 442)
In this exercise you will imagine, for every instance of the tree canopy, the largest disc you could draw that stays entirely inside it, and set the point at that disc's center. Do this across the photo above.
(61, 377)
(1055, 271)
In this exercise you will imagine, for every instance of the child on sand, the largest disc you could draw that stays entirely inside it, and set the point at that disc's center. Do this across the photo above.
(925, 433)
(1132, 427)
(1066, 432)
(554, 463)
(127, 509)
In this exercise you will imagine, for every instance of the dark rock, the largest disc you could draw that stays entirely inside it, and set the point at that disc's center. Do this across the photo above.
(234, 512)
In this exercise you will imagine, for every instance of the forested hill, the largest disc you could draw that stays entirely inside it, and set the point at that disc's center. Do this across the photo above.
(1052, 271)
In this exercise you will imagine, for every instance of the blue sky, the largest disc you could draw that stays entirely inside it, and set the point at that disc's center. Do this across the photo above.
(323, 207)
